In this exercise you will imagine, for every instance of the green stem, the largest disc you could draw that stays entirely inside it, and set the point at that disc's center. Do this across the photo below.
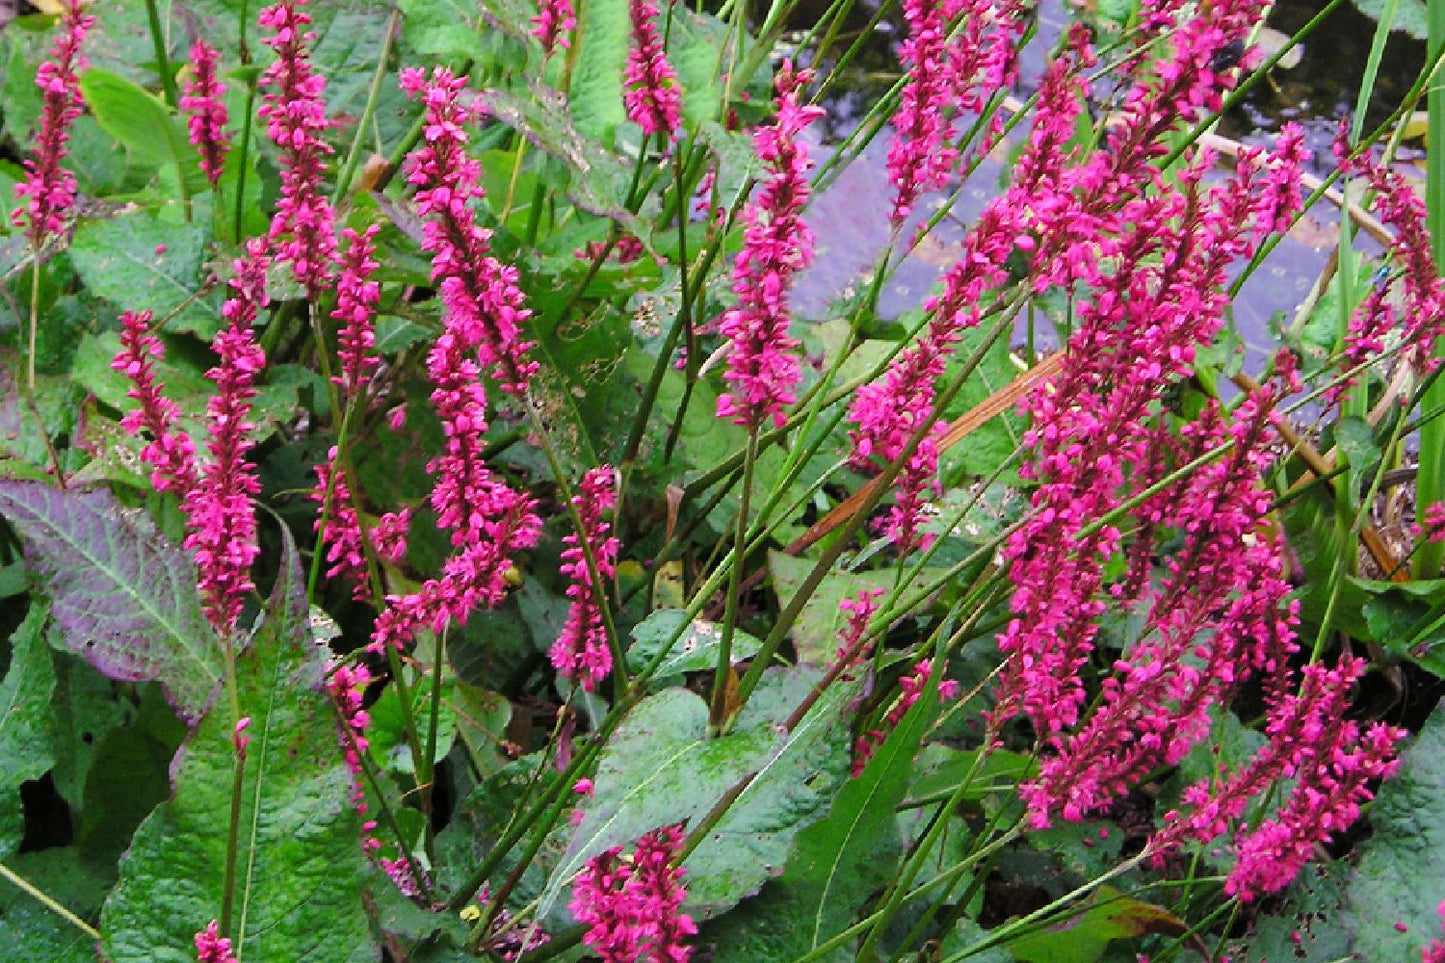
(373, 93)
(1430, 486)
(163, 62)
(717, 716)
(40, 896)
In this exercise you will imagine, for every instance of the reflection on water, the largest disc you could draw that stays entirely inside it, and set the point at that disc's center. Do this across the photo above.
(851, 216)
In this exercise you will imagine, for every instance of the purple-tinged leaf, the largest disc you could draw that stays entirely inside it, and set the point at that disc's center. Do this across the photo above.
(123, 596)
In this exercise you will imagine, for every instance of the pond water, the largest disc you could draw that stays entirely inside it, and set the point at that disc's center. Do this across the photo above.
(850, 216)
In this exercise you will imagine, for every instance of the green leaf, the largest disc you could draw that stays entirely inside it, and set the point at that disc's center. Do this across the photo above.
(84, 708)
(30, 931)
(299, 867)
(1084, 938)
(442, 28)
(142, 123)
(387, 732)
(661, 768)
(600, 179)
(1411, 16)
(600, 43)
(696, 45)
(117, 259)
(1308, 925)
(695, 651)
(123, 596)
(838, 862)
(26, 746)
(1406, 848)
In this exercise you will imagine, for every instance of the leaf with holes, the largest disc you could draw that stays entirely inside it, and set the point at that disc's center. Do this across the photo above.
(123, 596)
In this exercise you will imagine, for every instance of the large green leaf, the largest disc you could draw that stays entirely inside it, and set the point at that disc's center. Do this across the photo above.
(661, 768)
(1401, 866)
(32, 932)
(117, 259)
(26, 747)
(815, 633)
(299, 867)
(142, 123)
(604, 31)
(1108, 916)
(1411, 16)
(123, 596)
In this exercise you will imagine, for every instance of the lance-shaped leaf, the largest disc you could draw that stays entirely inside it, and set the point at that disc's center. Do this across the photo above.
(299, 868)
(123, 596)
(27, 750)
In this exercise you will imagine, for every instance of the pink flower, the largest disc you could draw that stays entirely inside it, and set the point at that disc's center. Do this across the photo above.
(851, 641)
(169, 451)
(633, 908)
(220, 518)
(1332, 760)
(554, 22)
(650, 90)
(762, 369)
(581, 652)
(356, 299)
(345, 544)
(50, 187)
(212, 947)
(958, 52)
(204, 101)
(484, 308)
(295, 115)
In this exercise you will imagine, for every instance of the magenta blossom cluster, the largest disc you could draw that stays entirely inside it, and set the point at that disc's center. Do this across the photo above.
(484, 306)
(294, 109)
(554, 23)
(762, 366)
(170, 452)
(1218, 617)
(48, 190)
(212, 947)
(581, 653)
(203, 99)
(633, 907)
(342, 534)
(1332, 760)
(958, 52)
(650, 90)
(348, 685)
(484, 309)
(1419, 318)
(1095, 431)
(215, 496)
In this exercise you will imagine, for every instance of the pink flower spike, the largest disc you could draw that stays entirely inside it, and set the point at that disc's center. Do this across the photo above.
(633, 907)
(554, 23)
(212, 947)
(762, 368)
(203, 99)
(295, 115)
(356, 299)
(220, 518)
(484, 309)
(170, 451)
(650, 90)
(50, 188)
(581, 653)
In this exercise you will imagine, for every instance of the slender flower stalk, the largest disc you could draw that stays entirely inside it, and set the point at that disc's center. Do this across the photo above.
(48, 190)
(294, 108)
(633, 907)
(650, 90)
(485, 309)
(762, 367)
(203, 99)
(581, 652)
(554, 23)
